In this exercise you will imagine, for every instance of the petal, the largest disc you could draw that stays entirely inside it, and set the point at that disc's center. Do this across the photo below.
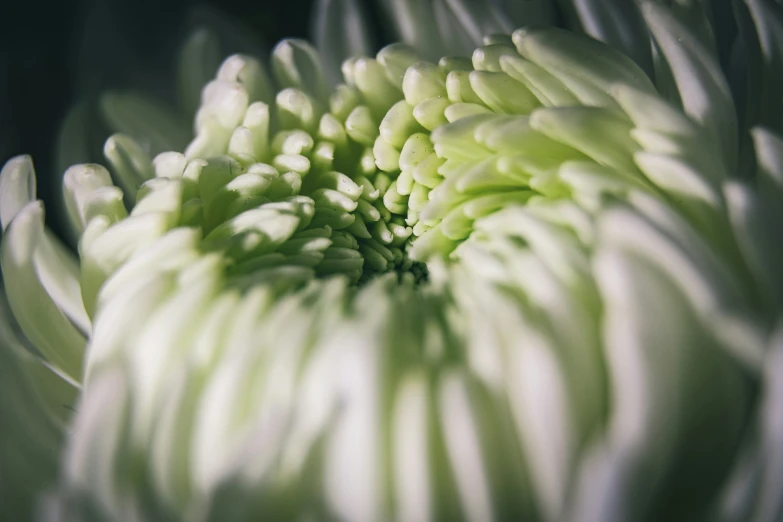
(463, 446)
(710, 287)
(250, 74)
(39, 317)
(296, 63)
(341, 30)
(58, 269)
(601, 134)
(73, 147)
(111, 247)
(617, 23)
(703, 89)
(677, 177)
(97, 449)
(35, 413)
(755, 233)
(770, 505)
(672, 391)
(17, 187)
(565, 54)
(51, 393)
(164, 338)
(84, 187)
(131, 164)
(410, 450)
(769, 155)
(541, 409)
(199, 59)
(154, 125)
(464, 23)
(765, 76)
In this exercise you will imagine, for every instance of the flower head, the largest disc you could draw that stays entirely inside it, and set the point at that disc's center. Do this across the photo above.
(489, 274)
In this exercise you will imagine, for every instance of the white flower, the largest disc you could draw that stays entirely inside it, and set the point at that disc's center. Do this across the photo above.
(538, 282)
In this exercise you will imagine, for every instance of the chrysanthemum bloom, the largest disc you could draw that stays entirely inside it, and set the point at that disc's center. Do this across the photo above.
(538, 282)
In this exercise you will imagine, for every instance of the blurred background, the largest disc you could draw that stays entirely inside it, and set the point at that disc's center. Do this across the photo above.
(43, 44)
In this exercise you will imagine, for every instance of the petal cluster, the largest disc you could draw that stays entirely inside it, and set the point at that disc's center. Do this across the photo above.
(538, 283)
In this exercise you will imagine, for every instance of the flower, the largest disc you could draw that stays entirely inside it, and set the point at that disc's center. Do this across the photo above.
(539, 282)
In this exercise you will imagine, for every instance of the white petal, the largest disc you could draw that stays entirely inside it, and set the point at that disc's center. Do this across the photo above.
(81, 183)
(113, 247)
(39, 317)
(17, 187)
(539, 401)
(410, 450)
(164, 339)
(604, 486)
(678, 178)
(672, 391)
(42, 391)
(770, 506)
(250, 73)
(297, 64)
(702, 87)
(413, 22)
(479, 19)
(711, 288)
(464, 448)
(352, 466)
(341, 31)
(769, 154)
(567, 55)
(619, 24)
(58, 270)
(121, 320)
(131, 164)
(97, 450)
